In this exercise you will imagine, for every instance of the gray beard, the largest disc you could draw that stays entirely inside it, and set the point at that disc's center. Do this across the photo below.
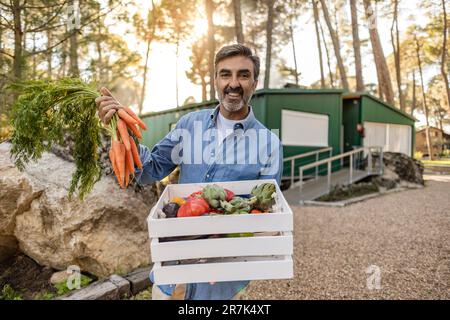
(233, 107)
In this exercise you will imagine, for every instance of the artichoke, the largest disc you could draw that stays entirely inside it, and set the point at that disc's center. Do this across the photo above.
(237, 205)
(264, 196)
(213, 194)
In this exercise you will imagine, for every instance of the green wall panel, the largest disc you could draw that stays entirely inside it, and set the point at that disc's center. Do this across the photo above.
(350, 118)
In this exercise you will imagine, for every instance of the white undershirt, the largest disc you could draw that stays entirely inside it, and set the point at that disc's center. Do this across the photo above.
(225, 127)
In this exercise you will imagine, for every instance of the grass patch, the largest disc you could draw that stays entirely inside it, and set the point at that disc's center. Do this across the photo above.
(438, 162)
(45, 296)
(62, 288)
(8, 293)
(143, 295)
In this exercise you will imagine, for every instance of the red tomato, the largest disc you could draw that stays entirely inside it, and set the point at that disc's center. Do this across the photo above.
(256, 211)
(193, 208)
(230, 195)
(194, 195)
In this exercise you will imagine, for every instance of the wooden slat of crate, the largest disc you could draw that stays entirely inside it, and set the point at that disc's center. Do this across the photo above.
(219, 224)
(222, 247)
(233, 270)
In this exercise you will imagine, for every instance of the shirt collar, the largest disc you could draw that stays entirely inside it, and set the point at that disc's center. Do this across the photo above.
(244, 124)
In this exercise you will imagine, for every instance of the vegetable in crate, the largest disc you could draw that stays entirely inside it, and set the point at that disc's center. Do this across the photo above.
(193, 208)
(195, 195)
(46, 109)
(178, 200)
(229, 195)
(214, 194)
(264, 196)
(171, 209)
(237, 205)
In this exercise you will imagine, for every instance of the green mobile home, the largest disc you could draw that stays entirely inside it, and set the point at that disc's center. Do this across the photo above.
(310, 120)
(306, 119)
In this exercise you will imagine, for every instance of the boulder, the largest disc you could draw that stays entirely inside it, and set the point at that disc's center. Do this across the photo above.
(406, 168)
(399, 170)
(104, 234)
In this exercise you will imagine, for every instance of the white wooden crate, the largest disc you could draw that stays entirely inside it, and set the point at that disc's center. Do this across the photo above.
(267, 255)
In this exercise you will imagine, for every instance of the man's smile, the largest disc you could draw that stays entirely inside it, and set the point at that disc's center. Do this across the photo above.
(233, 95)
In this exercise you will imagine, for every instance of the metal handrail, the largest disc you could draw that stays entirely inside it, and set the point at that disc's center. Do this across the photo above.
(304, 155)
(349, 154)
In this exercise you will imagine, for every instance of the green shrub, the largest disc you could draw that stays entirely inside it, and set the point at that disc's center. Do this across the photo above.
(5, 128)
(8, 293)
(45, 296)
(446, 153)
(418, 155)
(62, 288)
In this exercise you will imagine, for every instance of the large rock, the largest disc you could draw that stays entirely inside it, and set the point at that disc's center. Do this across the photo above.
(399, 169)
(104, 234)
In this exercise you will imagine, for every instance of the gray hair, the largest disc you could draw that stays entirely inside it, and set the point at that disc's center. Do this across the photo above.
(237, 50)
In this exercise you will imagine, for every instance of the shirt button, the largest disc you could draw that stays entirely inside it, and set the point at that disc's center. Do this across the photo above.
(207, 175)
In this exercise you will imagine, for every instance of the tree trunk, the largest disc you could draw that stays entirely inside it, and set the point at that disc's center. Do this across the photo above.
(144, 76)
(330, 72)
(34, 67)
(176, 69)
(384, 79)
(18, 34)
(74, 71)
(24, 14)
(396, 51)
(98, 44)
(1, 36)
(424, 97)
(63, 68)
(291, 30)
(238, 21)
(443, 56)
(319, 47)
(439, 120)
(150, 35)
(270, 4)
(49, 54)
(356, 47)
(209, 7)
(204, 84)
(414, 99)
(336, 45)
(100, 77)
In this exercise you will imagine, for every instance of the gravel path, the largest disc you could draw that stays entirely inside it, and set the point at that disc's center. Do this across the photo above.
(405, 234)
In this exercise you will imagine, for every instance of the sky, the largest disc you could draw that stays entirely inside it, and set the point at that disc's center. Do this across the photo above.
(160, 93)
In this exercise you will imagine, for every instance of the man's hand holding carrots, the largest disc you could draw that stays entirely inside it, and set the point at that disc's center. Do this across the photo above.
(107, 105)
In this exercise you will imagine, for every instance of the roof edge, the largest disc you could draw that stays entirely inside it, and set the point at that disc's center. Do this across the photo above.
(357, 95)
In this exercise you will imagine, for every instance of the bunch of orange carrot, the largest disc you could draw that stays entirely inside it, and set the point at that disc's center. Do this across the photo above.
(124, 154)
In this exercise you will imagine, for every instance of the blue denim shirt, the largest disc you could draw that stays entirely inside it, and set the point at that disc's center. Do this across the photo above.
(250, 152)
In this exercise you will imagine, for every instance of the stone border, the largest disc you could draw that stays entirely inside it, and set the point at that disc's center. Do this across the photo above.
(350, 201)
(113, 288)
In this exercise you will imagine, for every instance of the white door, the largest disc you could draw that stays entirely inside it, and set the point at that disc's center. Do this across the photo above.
(375, 135)
(392, 137)
(399, 139)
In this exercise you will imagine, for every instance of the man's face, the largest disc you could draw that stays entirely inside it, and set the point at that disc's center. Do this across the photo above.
(235, 82)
